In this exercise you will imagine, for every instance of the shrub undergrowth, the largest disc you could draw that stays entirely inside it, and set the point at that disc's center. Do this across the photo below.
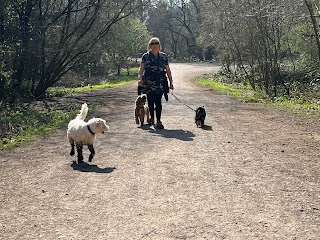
(308, 107)
(123, 80)
(22, 125)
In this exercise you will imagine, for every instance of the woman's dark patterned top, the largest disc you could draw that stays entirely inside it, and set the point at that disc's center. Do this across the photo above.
(154, 75)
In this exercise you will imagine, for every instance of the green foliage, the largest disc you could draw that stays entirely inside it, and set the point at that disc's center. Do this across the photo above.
(6, 52)
(302, 45)
(225, 85)
(304, 107)
(266, 41)
(18, 123)
(41, 41)
(176, 23)
(127, 39)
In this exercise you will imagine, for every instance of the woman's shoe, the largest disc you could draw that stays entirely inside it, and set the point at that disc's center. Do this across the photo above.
(160, 125)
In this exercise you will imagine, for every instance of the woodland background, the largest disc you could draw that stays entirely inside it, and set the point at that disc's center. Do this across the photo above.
(268, 45)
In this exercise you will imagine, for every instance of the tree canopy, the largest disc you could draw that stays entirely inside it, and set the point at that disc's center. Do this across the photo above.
(271, 43)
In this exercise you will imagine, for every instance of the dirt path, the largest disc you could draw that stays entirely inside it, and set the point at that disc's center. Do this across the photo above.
(254, 173)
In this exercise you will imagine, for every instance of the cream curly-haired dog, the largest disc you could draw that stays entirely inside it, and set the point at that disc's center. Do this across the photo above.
(83, 133)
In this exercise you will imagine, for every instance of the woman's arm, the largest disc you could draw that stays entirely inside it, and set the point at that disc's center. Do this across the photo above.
(168, 71)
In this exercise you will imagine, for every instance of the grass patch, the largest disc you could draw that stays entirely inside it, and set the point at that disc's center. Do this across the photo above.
(18, 126)
(236, 91)
(121, 81)
(305, 107)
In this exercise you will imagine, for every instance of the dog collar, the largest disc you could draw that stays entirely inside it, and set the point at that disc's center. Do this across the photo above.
(89, 129)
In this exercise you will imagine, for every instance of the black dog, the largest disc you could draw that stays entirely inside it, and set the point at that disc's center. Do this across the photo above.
(200, 116)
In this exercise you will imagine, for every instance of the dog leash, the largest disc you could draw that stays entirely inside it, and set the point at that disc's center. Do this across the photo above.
(181, 101)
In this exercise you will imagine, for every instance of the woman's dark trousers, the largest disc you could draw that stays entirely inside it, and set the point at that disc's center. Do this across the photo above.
(154, 100)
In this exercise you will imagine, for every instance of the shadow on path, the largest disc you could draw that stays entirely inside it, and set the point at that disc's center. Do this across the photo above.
(85, 167)
(179, 134)
(207, 127)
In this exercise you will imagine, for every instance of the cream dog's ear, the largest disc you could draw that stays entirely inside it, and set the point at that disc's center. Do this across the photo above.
(99, 124)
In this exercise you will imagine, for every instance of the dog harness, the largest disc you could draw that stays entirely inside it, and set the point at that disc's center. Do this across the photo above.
(90, 131)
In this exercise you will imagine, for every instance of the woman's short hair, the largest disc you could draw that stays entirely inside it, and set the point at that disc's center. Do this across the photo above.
(151, 40)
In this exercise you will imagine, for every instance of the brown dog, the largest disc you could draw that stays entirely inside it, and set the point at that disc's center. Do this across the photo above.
(141, 110)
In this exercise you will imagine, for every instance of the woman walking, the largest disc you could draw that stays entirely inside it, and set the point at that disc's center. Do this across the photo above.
(152, 78)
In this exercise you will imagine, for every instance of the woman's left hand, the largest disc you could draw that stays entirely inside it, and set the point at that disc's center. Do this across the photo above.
(171, 86)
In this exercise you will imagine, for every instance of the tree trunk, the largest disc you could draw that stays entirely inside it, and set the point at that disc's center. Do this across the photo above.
(315, 26)
(22, 54)
(118, 69)
(2, 64)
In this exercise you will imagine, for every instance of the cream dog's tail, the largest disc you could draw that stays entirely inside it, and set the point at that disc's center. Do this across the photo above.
(83, 113)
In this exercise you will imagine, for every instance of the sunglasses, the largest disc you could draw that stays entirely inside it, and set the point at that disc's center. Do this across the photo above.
(154, 43)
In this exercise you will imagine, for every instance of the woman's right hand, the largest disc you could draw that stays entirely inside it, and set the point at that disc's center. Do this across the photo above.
(140, 83)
